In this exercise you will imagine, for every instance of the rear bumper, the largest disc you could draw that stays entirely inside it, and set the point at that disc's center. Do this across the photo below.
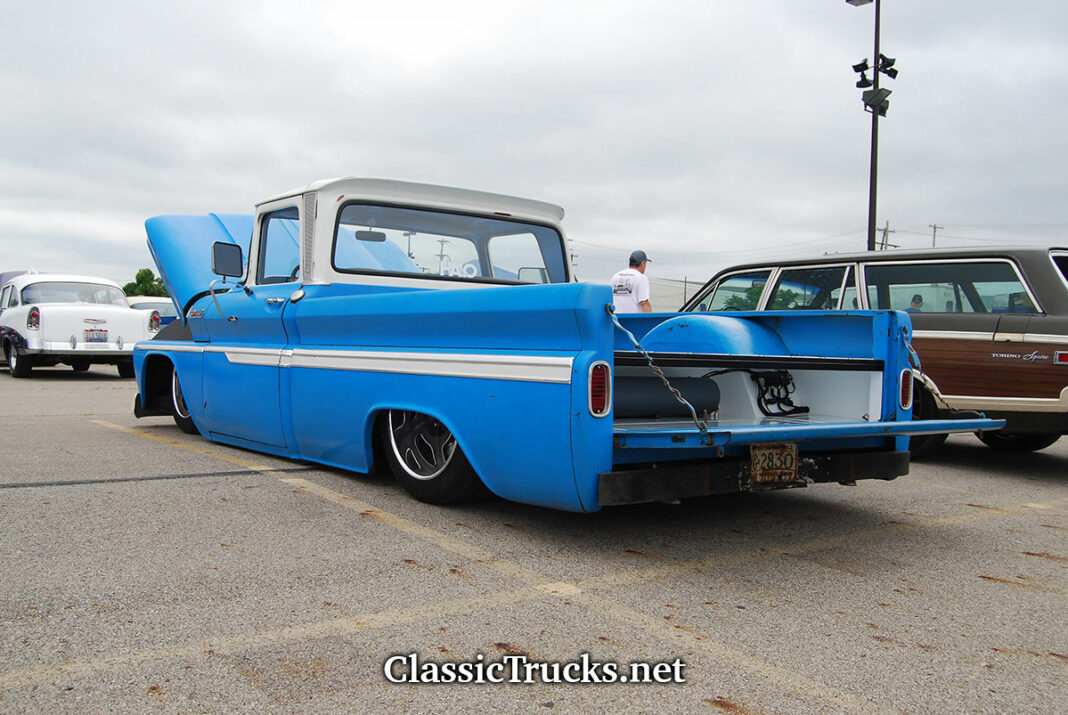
(95, 357)
(726, 476)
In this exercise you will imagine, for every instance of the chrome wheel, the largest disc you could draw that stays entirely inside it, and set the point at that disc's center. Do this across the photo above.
(179, 409)
(422, 446)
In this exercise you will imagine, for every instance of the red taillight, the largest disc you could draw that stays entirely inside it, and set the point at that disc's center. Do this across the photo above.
(33, 318)
(600, 389)
(906, 389)
(1060, 358)
(153, 321)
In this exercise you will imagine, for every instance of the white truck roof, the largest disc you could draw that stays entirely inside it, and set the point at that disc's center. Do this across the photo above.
(444, 197)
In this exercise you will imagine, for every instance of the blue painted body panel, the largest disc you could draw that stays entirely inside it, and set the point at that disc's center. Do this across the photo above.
(182, 249)
(504, 368)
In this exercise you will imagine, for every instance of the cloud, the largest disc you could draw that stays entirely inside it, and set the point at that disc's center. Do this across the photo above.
(705, 132)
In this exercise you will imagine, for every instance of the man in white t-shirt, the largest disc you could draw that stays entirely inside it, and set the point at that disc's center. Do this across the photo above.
(630, 287)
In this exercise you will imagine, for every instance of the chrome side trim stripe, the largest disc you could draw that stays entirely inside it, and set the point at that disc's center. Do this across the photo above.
(978, 335)
(176, 347)
(1011, 404)
(521, 368)
(952, 335)
(524, 368)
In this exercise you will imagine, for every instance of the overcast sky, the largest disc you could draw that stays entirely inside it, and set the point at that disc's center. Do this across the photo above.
(706, 132)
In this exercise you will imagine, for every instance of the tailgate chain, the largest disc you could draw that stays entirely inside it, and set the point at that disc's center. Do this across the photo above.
(610, 309)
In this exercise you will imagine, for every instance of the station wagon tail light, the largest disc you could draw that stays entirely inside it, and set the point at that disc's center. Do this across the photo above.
(1060, 358)
(600, 389)
(153, 321)
(906, 389)
(33, 318)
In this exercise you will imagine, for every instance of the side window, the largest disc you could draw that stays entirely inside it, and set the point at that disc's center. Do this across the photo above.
(808, 288)
(279, 257)
(1061, 261)
(738, 292)
(13, 298)
(4, 296)
(950, 287)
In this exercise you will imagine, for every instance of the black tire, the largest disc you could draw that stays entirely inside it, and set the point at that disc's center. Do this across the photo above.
(924, 408)
(80, 365)
(179, 410)
(426, 460)
(126, 368)
(1017, 442)
(18, 365)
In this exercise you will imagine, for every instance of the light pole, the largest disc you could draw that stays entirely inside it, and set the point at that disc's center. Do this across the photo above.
(875, 101)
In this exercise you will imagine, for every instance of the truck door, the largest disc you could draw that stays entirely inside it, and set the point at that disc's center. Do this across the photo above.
(248, 337)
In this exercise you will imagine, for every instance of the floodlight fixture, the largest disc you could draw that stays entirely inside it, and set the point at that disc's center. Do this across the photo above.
(886, 62)
(890, 72)
(863, 82)
(858, 3)
(861, 66)
(875, 97)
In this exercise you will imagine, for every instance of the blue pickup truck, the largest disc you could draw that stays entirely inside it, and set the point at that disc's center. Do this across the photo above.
(440, 333)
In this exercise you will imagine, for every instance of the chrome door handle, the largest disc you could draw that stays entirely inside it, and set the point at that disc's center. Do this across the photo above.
(274, 301)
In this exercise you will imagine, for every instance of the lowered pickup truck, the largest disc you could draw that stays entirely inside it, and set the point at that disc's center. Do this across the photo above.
(438, 332)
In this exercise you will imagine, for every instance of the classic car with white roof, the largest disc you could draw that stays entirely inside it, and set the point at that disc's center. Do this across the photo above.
(440, 333)
(48, 319)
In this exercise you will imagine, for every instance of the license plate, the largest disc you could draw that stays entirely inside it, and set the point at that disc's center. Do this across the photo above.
(773, 463)
(96, 336)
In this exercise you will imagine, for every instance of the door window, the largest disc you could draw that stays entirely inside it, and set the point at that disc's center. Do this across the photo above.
(738, 292)
(279, 257)
(808, 288)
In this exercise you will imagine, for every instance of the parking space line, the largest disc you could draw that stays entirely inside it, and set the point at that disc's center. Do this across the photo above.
(423, 533)
(32, 675)
(206, 451)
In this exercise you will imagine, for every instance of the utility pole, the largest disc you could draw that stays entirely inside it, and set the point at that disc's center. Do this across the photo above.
(934, 232)
(886, 236)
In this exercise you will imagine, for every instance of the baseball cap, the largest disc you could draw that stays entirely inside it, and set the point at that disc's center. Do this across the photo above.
(638, 257)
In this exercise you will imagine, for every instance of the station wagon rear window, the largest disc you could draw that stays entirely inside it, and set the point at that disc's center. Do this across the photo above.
(70, 292)
(949, 287)
(443, 245)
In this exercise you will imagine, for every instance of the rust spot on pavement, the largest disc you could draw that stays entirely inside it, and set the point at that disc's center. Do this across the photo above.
(991, 508)
(1018, 584)
(729, 706)
(1044, 555)
(510, 649)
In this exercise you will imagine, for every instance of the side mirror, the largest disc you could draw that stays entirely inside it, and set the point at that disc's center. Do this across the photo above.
(226, 260)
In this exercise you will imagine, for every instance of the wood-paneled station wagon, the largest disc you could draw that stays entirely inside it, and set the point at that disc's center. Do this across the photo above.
(990, 325)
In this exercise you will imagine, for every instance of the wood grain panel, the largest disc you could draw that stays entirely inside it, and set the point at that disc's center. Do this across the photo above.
(988, 368)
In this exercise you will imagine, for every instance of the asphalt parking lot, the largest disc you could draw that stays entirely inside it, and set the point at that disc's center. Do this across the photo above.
(145, 569)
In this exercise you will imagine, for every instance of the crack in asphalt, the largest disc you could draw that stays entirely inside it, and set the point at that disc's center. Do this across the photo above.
(119, 480)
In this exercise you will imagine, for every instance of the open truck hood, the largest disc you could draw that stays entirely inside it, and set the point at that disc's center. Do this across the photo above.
(181, 248)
